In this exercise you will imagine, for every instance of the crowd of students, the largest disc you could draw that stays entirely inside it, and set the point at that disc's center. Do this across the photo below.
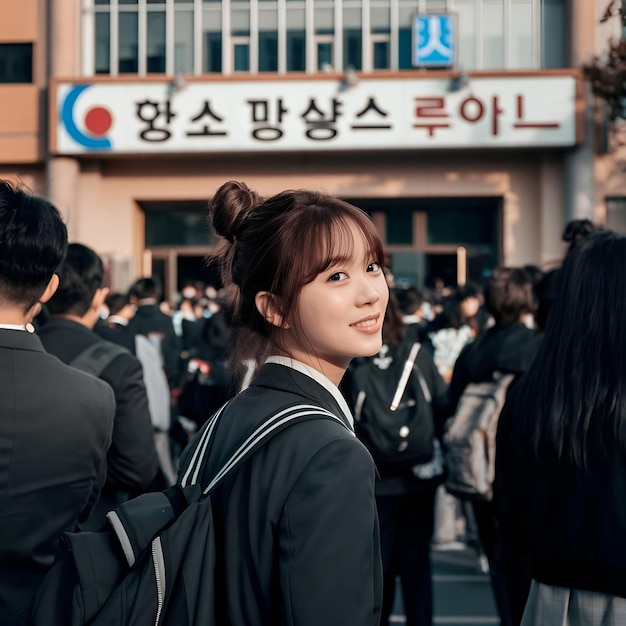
(310, 530)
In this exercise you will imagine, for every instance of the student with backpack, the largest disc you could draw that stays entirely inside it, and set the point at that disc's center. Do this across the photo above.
(505, 350)
(399, 401)
(296, 527)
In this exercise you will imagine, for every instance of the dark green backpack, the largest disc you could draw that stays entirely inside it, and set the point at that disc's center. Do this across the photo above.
(392, 408)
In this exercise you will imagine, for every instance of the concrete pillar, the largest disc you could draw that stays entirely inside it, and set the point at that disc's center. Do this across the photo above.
(64, 38)
(63, 47)
(551, 212)
(63, 191)
(579, 176)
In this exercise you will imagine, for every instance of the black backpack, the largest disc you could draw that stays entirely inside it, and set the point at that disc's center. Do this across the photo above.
(392, 408)
(155, 565)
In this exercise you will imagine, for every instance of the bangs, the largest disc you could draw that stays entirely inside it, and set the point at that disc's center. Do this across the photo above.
(317, 233)
(334, 241)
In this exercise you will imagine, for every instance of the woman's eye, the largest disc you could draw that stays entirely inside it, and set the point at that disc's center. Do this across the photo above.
(337, 276)
(373, 267)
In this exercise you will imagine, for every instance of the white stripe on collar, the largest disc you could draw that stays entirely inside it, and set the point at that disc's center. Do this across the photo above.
(318, 377)
(26, 327)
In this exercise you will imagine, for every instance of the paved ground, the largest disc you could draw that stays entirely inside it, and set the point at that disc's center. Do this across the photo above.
(462, 592)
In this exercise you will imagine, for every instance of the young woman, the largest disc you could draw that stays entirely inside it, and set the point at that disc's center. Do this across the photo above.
(561, 446)
(296, 525)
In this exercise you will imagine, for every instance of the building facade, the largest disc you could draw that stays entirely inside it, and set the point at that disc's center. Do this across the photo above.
(464, 127)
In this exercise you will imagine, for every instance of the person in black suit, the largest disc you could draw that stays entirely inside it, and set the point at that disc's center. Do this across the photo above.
(296, 526)
(55, 422)
(132, 462)
(115, 327)
(150, 321)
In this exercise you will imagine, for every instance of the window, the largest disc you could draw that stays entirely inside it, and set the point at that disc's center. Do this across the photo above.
(296, 39)
(183, 41)
(296, 51)
(324, 19)
(212, 40)
(380, 25)
(163, 36)
(241, 54)
(103, 43)
(156, 43)
(129, 43)
(268, 40)
(268, 51)
(553, 35)
(16, 62)
(324, 56)
(352, 39)
(381, 59)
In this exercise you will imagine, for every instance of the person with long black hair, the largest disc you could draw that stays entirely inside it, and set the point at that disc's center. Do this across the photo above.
(561, 446)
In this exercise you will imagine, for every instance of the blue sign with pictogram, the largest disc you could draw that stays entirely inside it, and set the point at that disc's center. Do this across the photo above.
(434, 40)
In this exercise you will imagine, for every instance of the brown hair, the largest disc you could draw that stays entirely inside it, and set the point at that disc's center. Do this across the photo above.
(394, 328)
(510, 294)
(279, 245)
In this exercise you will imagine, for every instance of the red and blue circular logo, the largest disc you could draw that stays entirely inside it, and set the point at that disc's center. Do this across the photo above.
(97, 121)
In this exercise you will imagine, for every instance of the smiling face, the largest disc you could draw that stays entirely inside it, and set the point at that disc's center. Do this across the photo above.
(340, 313)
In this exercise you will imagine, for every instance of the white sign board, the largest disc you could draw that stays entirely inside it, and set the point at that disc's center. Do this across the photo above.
(299, 115)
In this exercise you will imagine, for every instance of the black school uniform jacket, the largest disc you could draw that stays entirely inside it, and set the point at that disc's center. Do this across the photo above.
(55, 429)
(572, 524)
(507, 349)
(296, 526)
(132, 462)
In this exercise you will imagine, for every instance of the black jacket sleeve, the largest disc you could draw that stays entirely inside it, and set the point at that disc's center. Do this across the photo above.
(330, 556)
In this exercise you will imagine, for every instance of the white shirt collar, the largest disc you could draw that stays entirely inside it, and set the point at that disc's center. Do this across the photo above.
(117, 319)
(27, 327)
(318, 377)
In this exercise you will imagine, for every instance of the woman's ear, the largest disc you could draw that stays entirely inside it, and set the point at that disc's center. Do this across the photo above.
(267, 306)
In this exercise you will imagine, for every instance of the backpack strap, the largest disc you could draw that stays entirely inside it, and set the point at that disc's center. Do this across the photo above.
(97, 357)
(404, 377)
(270, 427)
(137, 521)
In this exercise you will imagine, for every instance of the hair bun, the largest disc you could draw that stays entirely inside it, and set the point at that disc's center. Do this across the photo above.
(229, 208)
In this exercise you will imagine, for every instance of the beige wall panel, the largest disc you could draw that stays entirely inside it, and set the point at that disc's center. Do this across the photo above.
(19, 149)
(20, 109)
(19, 20)
(109, 190)
(32, 178)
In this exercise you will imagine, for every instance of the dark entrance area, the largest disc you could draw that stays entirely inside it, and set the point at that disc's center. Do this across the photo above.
(452, 239)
